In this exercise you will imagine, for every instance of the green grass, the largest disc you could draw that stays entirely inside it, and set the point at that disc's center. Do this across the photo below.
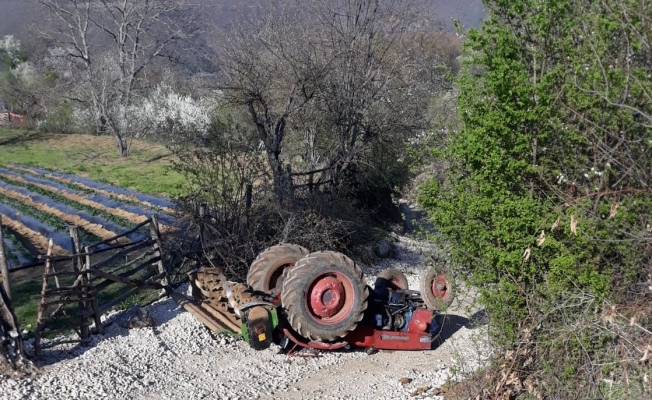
(24, 306)
(96, 157)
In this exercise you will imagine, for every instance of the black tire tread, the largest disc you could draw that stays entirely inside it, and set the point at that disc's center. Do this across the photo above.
(387, 275)
(431, 301)
(294, 293)
(258, 271)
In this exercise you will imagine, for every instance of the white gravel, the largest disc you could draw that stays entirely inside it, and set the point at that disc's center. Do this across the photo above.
(180, 358)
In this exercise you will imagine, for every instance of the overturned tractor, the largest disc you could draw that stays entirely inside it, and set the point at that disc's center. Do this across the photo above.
(319, 300)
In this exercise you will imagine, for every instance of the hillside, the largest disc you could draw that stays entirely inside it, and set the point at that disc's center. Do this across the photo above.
(16, 17)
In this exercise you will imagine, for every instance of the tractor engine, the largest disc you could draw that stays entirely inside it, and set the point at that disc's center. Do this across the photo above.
(400, 311)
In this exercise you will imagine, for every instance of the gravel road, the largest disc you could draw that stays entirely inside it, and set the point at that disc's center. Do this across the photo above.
(180, 358)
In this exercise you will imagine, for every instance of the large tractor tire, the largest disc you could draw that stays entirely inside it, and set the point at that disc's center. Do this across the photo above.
(324, 296)
(437, 288)
(266, 272)
(392, 278)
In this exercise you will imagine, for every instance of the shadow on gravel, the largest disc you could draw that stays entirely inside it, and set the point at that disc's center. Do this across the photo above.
(451, 324)
(417, 222)
(114, 326)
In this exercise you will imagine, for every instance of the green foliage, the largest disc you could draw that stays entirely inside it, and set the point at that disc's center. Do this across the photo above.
(61, 119)
(547, 197)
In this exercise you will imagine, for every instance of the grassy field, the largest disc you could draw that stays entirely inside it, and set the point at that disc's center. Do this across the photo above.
(146, 170)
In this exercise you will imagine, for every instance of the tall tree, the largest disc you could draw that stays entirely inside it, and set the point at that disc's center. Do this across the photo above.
(108, 46)
(335, 75)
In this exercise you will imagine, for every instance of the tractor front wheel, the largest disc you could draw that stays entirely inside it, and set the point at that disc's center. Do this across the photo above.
(266, 272)
(437, 288)
(392, 278)
(324, 296)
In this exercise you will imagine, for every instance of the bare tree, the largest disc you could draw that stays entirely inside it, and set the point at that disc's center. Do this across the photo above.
(109, 45)
(336, 74)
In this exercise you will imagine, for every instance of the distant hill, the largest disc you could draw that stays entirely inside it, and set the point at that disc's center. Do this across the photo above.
(17, 16)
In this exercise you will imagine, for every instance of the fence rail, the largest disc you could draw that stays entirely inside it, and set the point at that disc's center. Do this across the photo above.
(77, 289)
(7, 118)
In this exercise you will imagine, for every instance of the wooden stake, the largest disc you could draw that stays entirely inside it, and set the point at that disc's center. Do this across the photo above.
(81, 294)
(42, 307)
(156, 235)
(4, 265)
(96, 311)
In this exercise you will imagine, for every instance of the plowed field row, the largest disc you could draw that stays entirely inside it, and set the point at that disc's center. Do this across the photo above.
(107, 190)
(84, 199)
(37, 205)
(116, 215)
(71, 219)
(34, 237)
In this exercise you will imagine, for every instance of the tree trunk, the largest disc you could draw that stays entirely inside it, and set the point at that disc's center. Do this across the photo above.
(123, 145)
(282, 179)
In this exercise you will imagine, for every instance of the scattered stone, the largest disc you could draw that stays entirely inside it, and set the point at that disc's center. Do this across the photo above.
(420, 391)
(135, 317)
(405, 381)
(183, 359)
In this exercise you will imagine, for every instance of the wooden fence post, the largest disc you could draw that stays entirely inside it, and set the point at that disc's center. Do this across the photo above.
(202, 221)
(42, 307)
(4, 264)
(12, 347)
(96, 310)
(82, 282)
(156, 236)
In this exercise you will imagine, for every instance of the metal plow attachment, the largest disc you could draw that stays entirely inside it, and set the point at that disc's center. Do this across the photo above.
(229, 307)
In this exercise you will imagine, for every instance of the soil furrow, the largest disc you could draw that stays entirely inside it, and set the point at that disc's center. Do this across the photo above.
(37, 240)
(95, 229)
(131, 217)
(104, 192)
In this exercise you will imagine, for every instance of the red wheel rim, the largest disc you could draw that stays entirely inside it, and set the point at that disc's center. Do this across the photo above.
(440, 287)
(330, 298)
(397, 283)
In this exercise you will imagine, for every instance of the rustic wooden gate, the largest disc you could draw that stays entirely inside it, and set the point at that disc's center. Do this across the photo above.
(77, 289)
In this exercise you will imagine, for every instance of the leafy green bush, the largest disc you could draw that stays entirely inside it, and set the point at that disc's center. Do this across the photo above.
(546, 203)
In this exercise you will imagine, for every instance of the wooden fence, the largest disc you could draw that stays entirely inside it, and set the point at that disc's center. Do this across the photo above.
(7, 118)
(77, 289)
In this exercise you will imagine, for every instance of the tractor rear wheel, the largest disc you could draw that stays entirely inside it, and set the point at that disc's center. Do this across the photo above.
(266, 272)
(437, 288)
(324, 296)
(392, 278)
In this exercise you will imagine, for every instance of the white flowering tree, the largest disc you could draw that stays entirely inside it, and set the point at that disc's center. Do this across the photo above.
(108, 47)
(168, 112)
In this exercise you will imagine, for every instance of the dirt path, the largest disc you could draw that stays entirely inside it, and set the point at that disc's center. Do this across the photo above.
(462, 347)
(180, 358)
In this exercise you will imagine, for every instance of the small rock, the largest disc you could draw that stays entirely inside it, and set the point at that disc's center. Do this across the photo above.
(136, 317)
(405, 381)
(420, 390)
